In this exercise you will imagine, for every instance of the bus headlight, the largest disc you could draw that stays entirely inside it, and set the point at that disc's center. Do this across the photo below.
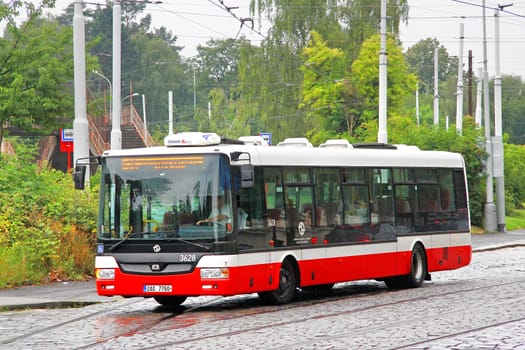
(215, 273)
(105, 274)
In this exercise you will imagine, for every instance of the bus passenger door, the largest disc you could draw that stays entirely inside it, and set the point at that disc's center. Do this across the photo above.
(382, 217)
(275, 215)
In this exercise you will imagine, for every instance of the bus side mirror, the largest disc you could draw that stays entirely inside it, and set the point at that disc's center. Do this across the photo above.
(79, 176)
(247, 175)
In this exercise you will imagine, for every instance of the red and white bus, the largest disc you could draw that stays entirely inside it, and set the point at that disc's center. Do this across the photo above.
(205, 216)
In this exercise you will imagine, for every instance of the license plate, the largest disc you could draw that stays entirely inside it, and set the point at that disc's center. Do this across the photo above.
(158, 288)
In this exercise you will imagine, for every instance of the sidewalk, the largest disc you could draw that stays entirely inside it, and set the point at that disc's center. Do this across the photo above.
(77, 294)
(53, 295)
(490, 241)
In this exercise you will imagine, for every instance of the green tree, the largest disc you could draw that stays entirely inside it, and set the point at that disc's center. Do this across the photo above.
(222, 116)
(270, 77)
(420, 59)
(160, 69)
(365, 77)
(151, 62)
(217, 65)
(323, 87)
(514, 179)
(36, 69)
(513, 105)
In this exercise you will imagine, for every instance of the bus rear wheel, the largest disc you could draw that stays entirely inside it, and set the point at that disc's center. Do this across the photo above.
(418, 271)
(171, 301)
(287, 286)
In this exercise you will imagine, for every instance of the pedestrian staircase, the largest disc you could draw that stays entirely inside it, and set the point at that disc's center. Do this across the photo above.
(134, 132)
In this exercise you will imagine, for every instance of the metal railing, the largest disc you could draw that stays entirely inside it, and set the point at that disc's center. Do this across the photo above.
(130, 116)
(97, 142)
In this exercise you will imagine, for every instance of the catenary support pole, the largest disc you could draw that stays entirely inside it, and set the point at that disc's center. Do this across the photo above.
(479, 92)
(417, 104)
(116, 132)
(459, 95)
(382, 134)
(144, 114)
(497, 142)
(436, 86)
(80, 123)
(490, 207)
(170, 112)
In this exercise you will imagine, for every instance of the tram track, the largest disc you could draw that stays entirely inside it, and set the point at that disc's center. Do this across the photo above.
(421, 344)
(216, 305)
(66, 322)
(364, 297)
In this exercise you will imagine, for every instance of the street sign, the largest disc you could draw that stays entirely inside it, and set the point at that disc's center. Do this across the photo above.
(66, 135)
(66, 144)
(267, 136)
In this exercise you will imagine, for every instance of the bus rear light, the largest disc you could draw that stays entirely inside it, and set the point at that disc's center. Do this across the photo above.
(313, 240)
(105, 274)
(215, 273)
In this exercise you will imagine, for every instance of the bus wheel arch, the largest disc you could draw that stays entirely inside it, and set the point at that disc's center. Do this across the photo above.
(288, 283)
(418, 270)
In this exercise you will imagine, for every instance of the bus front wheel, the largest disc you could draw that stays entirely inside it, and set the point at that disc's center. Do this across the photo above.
(287, 286)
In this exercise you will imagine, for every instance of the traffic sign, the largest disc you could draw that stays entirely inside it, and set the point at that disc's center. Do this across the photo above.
(267, 136)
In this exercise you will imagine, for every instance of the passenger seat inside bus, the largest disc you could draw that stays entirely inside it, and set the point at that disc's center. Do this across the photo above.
(404, 218)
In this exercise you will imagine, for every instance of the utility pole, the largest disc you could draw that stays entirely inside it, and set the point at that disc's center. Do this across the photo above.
(436, 88)
(144, 114)
(459, 101)
(470, 109)
(479, 92)
(497, 142)
(80, 124)
(116, 133)
(417, 103)
(382, 134)
(170, 112)
(490, 207)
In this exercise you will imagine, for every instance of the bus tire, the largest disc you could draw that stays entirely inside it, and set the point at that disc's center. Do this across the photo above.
(170, 301)
(287, 286)
(418, 271)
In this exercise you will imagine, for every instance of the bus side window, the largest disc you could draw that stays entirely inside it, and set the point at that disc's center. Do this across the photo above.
(380, 180)
(405, 205)
(429, 208)
(329, 208)
(460, 200)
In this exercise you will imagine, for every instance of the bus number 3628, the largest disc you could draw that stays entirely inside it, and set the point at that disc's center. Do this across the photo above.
(187, 258)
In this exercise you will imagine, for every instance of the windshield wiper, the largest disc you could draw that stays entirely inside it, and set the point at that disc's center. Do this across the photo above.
(114, 246)
(189, 242)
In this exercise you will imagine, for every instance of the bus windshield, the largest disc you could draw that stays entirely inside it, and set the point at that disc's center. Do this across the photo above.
(185, 197)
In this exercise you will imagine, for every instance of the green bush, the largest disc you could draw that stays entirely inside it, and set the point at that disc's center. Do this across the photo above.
(46, 226)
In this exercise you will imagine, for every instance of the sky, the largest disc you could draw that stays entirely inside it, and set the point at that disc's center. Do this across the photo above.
(196, 21)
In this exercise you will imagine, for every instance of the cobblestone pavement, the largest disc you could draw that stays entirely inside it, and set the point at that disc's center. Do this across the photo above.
(479, 307)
